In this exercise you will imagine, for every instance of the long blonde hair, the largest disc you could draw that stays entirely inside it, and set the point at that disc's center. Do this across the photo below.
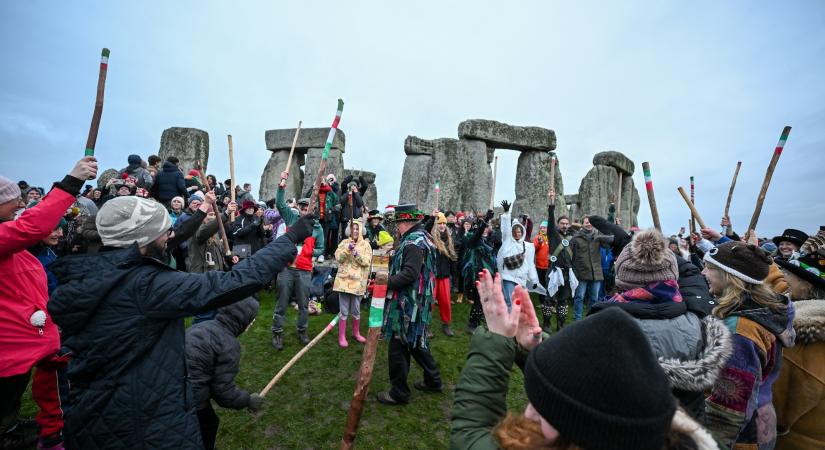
(445, 248)
(732, 295)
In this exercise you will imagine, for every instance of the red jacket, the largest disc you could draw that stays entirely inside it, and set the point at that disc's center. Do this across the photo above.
(304, 259)
(23, 286)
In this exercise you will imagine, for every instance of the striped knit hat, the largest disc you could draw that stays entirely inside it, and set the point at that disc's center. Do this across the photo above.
(125, 220)
(747, 262)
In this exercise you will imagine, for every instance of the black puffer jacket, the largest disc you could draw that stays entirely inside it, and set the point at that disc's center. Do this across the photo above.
(213, 355)
(694, 288)
(121, 315)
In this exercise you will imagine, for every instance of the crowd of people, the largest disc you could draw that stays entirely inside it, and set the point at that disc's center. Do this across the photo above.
(695, 340)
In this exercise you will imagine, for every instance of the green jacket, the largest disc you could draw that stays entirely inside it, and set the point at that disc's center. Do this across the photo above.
(290, 217)
(481, 393)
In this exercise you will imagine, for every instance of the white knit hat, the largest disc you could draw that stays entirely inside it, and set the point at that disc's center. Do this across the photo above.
(124, 220)
(8, 190)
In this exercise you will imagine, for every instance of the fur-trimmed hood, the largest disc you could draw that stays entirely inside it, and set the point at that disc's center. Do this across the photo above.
(809, 322)
(700, 374)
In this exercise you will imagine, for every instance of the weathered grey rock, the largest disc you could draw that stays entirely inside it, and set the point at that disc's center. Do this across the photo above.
(616, 160)
(187, 144)
(532, 185)
(571, 199)
(271, 175)
(491, 154)
(502, 135)
(371, 197)
(335, 164)
(599, 189)
(460, 168)
(414, 145)
(307, 139)
(105, 176)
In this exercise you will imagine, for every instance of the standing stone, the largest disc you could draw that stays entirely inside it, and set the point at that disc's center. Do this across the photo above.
(371, 196)
(502, 135)
(532, 185)
(599, 189)
(187, 144)
(104, 178)
(414, 179)
(475, 186)
(308, 138)
(335, 164)
(271, 175)
(615, 160)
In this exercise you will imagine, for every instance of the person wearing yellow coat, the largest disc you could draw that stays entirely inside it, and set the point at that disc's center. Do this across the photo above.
(354, 256)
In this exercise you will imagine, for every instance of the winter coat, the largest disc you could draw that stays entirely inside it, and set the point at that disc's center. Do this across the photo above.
(327, 200)
(213, 356)
(143, 177)
(249, 230)
(372, 234)
(353, 267)
(23, 287)
(87, 234)
(587, 258)
(169, 183)
(46, 256)
(542, 250)
(122, 317)
(740, 409)
(564, 258)
(290, 216)
(525, 275)
(200, 246)
(799, 392)
(691, 351)
(694, 288)
(357, 206)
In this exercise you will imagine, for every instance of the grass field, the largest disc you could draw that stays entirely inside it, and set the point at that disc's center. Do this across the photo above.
(308, 407)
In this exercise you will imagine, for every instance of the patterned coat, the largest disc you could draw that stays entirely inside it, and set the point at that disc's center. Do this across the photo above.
(353, 267)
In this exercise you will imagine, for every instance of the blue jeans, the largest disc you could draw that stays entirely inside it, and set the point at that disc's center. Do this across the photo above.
(508, 287)
(591, 288)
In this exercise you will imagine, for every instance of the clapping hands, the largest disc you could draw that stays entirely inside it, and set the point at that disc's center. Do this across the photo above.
(519, 322)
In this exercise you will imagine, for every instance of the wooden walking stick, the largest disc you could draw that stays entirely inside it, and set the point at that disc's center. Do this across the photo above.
(323, 165)
(231, 173)
(618, 217)
(768, 175)
(493, 191)
(692, 201)
(651, 198)
(218, 217)
(298, 356)
(693, 210)
(728, 229)
(552, 178)
(292, 150)
(101, 87)
(380, 264)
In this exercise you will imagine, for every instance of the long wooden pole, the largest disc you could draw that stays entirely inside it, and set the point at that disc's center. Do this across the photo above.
(493, 191)
(693, 201)
(322, 166)
(728, 230)
(98, 111)
(552, 178)
(292, 150)
(768, 175)
(651, 198)
(693, 210)
(298, 356)
(218, 217)
(362, 388)
(231, 173)
(618, 217)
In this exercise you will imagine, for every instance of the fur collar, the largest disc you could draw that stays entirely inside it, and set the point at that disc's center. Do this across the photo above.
(700, 374)
(809, 322)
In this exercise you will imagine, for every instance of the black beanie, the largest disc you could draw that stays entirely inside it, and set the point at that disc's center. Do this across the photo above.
(598, 383)
(747, 262)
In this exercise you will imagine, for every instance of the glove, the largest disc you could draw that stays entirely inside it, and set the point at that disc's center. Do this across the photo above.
(301, 229)
(505, 205)
(255, 402)
(489, 216)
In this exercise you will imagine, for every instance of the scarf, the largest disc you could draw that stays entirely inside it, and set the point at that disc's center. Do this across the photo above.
(658, 292)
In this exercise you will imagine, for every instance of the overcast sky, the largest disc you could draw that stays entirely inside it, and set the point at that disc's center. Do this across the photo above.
(691, 87)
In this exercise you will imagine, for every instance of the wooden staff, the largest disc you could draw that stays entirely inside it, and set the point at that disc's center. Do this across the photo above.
(552, 178)
(322, 166)
(651, 198)
(768, 175)
(362, 388)
(298, 356)
(231, 174)
(693, 210)
(728, 230)
(493, 193)
(692, 200)
(218, 217)
(618, 217)
(101, 87)
(292, 150)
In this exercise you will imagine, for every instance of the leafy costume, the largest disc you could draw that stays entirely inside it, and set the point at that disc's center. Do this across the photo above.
(478, 255)
(409, 311)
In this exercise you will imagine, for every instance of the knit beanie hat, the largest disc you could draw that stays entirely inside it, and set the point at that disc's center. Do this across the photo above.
(598, 383)
(9, 190)
(134, 159)
(124, 220)
(647, 259)
(384, 238)
(747, 262)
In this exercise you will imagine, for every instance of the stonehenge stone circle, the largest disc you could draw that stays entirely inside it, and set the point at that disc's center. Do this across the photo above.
(533, 184)
(504, 136)
(187, 144)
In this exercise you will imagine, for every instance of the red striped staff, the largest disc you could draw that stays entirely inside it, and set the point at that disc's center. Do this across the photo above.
(777, 152)
(651, 198)
(101, 86)
(323, 165)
